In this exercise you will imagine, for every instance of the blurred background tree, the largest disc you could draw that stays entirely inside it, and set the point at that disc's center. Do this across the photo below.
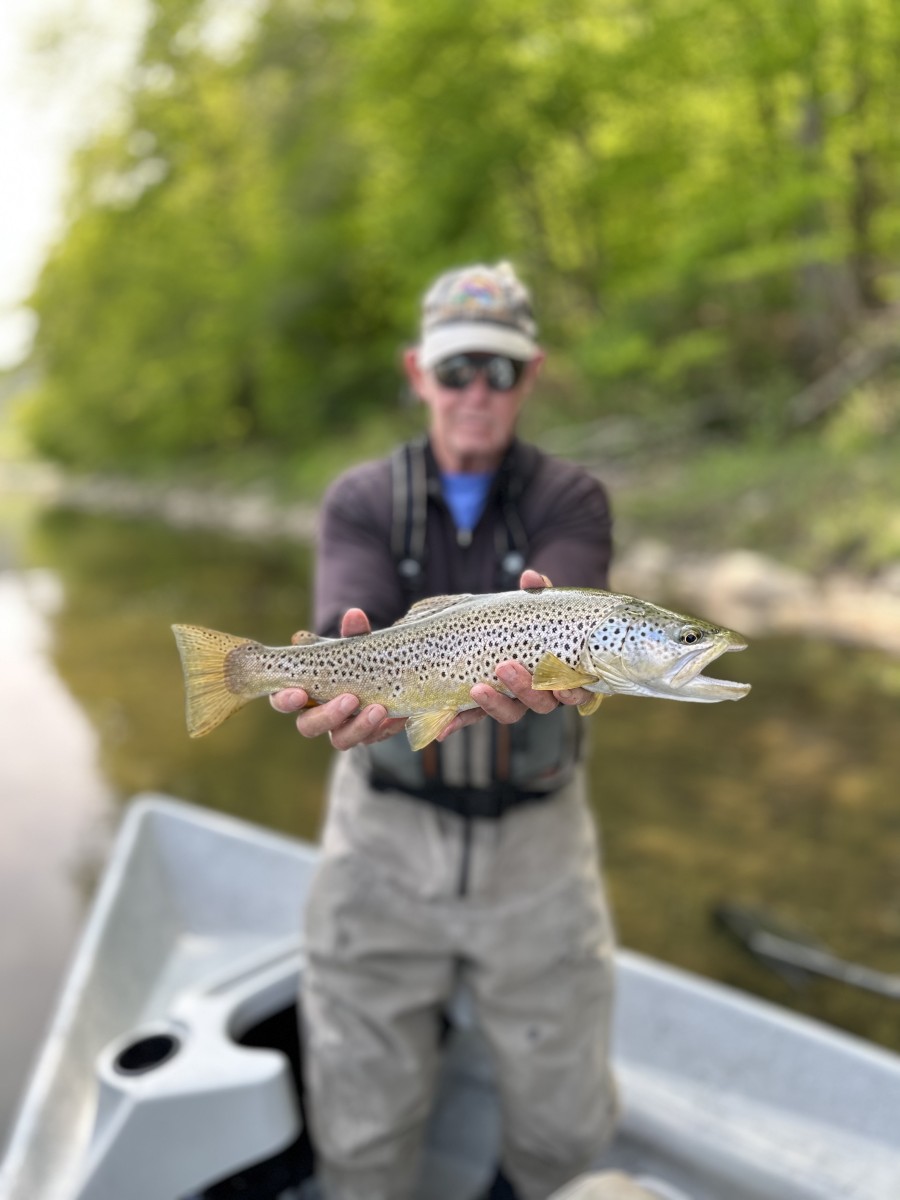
(703, 195)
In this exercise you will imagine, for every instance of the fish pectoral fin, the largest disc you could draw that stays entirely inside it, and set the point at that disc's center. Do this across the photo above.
(553, 675)
(425, 727)
(591, 706)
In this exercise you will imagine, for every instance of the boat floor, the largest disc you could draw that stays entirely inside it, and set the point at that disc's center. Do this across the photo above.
(193, 937)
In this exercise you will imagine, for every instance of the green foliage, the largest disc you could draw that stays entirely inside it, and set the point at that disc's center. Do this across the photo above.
(702, 194)
(821, 503)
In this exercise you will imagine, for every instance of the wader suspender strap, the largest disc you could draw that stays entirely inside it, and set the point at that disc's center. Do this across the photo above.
(409, 515)
(511, 552)
(510, 538)
(409, 508)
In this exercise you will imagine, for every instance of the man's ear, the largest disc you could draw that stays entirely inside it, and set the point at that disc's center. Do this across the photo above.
(532, 370)
(414, 371)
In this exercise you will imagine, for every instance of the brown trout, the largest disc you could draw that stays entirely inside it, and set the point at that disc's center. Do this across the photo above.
(423, 666)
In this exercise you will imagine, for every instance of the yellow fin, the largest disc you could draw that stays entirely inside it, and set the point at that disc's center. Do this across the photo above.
(591, 706)
(204, 659)
(425, 727)
(553, 675)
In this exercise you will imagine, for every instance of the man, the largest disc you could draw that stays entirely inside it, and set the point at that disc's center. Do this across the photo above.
(474, 860)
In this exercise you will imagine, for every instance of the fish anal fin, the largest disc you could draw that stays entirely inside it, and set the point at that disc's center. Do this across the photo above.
(423, 728)
(553, 675)
(591, 706)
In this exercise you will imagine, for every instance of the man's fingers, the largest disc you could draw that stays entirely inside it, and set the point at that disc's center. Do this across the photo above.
(514, 677)
(289, 700)
(469, 716)
(388, 728)
(365, 727)
(574, 696)
(354, 623)
(533, 579)
(502, 708)
(325, 718)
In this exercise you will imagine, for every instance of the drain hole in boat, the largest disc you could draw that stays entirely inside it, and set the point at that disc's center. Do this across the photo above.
(147, 1053)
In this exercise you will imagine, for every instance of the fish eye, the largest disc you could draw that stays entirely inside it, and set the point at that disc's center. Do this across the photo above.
(690, 635)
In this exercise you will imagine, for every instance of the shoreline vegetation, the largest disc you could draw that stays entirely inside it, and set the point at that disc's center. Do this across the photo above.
(754, 591)
(245, 248)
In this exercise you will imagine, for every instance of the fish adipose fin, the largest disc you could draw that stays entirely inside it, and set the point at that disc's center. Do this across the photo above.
(425, 727)
(204, 658)
(553, 675)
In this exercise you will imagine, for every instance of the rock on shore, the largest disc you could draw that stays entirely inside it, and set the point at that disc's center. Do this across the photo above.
(757, 595)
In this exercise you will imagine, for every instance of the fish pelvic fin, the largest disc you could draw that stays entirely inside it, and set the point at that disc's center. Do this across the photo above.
(423, 728)
(591, 706)
(204, 659)
(553, 675)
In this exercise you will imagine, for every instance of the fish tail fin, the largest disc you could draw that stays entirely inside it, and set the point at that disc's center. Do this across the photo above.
(209, 699)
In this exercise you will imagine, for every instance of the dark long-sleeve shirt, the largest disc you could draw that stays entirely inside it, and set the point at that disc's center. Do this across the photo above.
(561, 514)
(563, 509)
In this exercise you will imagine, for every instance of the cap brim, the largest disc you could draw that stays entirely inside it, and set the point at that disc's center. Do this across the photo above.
(476, 337)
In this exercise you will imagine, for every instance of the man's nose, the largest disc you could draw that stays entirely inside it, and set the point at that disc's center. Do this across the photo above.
(479, 390)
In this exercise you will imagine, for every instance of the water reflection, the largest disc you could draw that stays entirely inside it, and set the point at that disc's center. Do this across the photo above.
(125, 584)
(53, 801)
(786, 800)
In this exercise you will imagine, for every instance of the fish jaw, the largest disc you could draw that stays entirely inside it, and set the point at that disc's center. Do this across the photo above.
(690, 683)
(699, 688)
(707, 689)
(640, 651)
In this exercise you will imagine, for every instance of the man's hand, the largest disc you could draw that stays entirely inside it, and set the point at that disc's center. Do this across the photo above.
(341, 718)
(509, 709)
(348, 725)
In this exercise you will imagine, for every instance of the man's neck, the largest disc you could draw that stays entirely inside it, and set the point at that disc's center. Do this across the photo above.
(465, 464)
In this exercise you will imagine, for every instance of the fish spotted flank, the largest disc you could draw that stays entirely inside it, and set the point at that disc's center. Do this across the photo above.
(424, 666)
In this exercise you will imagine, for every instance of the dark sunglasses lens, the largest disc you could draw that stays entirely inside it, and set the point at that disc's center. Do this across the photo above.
(460, 371)
(503, 373)
(456, 372)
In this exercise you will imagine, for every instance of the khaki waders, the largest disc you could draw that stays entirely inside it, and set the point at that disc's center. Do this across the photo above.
(409, 898)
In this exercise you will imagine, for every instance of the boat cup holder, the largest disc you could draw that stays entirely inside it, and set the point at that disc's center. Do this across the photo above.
(146, 1053)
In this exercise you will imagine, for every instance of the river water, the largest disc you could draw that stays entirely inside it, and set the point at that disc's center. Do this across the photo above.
(786, 801)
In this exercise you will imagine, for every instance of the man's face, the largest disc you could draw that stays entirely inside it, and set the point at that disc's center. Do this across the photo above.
(470, 427)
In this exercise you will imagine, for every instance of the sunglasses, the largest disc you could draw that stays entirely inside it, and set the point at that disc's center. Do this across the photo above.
(457, 373)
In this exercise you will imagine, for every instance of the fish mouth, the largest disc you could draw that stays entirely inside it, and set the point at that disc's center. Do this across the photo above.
(690, 684)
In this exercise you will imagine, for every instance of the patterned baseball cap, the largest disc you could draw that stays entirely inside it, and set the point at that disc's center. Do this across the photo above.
(481, 309)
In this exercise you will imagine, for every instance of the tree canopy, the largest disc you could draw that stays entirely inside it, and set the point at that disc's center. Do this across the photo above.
(703, 195)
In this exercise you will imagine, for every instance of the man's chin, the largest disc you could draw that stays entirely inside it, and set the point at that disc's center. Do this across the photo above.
(478, 441)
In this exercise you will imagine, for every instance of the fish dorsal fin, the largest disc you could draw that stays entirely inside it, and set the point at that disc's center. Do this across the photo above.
(425, 727)
(553, 675)
(302, 638)
(432, 605)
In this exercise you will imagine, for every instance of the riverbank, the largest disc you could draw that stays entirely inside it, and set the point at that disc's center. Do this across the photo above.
(760, 596)
(747, 590)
